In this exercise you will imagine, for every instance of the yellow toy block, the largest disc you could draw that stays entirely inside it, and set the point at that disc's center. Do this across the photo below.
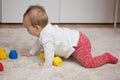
(57, 60)
(42, 55)
(3, 54)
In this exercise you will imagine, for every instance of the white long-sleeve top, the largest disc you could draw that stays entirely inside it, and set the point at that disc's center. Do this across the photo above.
(55, 40)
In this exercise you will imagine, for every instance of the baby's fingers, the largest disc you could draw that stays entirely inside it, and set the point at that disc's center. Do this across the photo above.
(26, 54)
(41, 63)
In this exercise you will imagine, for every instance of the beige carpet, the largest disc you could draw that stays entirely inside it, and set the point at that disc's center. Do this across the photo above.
(24, 68)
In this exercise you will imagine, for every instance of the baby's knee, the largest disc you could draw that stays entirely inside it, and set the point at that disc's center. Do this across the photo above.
(89, 64)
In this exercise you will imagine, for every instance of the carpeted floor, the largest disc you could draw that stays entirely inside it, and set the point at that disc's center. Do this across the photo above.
(24, 68)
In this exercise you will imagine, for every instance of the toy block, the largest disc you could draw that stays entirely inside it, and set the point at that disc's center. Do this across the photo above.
(1, 67)
(56, 62)
(13, 54)
(42, 55)
(3, 54)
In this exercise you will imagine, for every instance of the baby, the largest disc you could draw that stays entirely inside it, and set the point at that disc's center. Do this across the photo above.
(59, 41)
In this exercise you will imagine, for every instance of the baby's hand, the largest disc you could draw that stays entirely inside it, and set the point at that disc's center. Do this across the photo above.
(26, 54)
(41, 63)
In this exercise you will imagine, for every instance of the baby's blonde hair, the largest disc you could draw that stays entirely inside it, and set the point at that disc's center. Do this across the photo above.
(40, 18)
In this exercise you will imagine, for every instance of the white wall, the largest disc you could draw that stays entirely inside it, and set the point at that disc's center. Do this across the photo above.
(13, 10)
(87, 11)
(119, 12)
(0, 11)
(62, 11)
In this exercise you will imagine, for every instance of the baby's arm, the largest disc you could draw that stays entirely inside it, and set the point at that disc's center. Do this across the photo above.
(47, 41)
(49, 53)
(35, 49)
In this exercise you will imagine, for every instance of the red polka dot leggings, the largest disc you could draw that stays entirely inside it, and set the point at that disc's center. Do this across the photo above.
(83, 54)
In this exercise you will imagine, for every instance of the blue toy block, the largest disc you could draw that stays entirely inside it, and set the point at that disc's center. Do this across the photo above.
(13, 54)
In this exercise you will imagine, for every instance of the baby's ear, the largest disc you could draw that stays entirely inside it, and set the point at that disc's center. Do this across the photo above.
(37, 26)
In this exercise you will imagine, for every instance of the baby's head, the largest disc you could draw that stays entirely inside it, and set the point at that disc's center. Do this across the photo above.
(35, 19)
